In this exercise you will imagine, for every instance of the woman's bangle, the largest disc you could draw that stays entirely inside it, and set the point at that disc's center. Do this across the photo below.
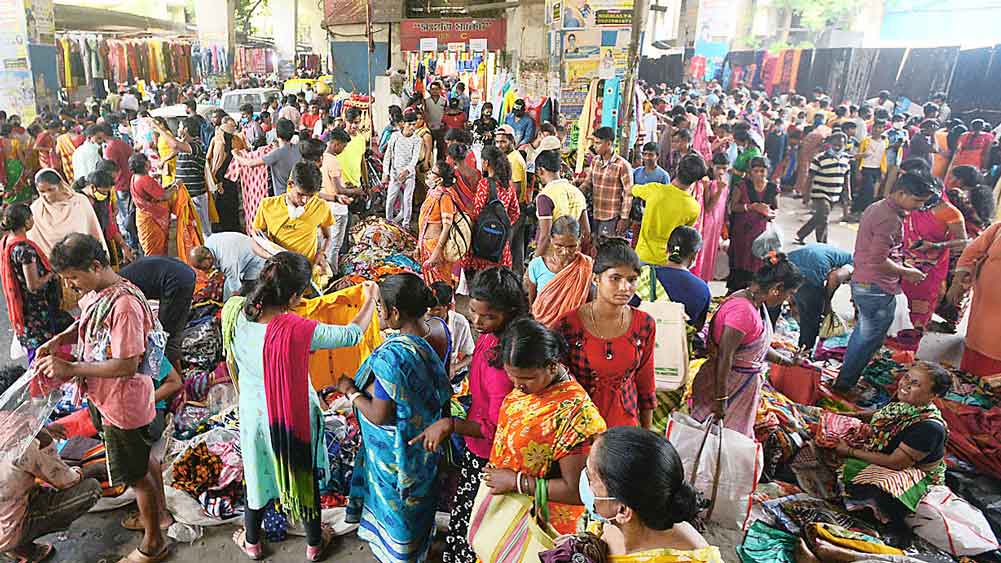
(353, 396)
(723, 398)
(518, 483)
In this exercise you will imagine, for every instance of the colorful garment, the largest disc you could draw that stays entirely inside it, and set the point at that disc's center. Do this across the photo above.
(66, 145)
(566, 291)
(152, 214)
(617, 373)
(35, 316)
(711, 224)
(536, 431)
(394, 490)
(908, 485)
(743, 384)
(709, 554)
(971, 148)
(982, 260)
(53, 221)
(931, 226)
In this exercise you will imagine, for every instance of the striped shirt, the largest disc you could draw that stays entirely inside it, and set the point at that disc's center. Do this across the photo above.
(191, 169)
(829, 169)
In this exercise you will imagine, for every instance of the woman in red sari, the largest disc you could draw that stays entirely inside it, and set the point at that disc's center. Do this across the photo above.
(498, 175)
(973, 147)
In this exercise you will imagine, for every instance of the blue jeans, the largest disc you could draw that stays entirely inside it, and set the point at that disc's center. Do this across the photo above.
(810, 304)
(875, 308)
(125, 217)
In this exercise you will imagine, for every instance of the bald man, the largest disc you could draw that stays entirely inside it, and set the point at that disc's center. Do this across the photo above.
(232, 254)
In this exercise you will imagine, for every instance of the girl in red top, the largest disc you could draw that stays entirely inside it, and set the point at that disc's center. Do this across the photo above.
(611, 344)
(454, 117)
(496, 169)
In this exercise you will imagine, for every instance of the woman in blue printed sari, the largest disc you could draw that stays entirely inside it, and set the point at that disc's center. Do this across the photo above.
(399, 391)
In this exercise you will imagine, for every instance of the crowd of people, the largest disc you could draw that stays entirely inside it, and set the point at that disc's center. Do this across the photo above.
(108, 210)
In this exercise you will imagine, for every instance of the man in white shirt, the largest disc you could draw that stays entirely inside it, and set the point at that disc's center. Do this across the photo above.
(130, 101)
(87, 155)
(400, 170)
(336, 193)
(291, 112)
(434, 110)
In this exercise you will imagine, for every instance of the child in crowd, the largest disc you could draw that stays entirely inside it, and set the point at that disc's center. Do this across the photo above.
(458, 327)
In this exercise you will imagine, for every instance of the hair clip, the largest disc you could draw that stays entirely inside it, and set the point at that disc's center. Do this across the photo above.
(773, 257)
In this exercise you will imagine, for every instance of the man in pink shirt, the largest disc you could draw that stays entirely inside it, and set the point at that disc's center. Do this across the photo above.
(121, 346)
(27, 510)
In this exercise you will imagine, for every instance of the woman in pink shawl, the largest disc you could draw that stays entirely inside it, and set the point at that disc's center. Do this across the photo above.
(713, 200)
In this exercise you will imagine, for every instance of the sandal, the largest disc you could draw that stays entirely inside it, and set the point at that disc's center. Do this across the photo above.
(137, 556)
(319, 553)
(254, 552)
(133, 522)
(40, 552)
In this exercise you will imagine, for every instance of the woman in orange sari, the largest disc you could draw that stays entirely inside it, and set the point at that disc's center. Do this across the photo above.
(435, 224)
(66, 145)
(467, 177)
(152, 207)
(560, 281)
(546, 424)
(973, 147)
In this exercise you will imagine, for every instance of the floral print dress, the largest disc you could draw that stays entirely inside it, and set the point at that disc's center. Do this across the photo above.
(43, 317)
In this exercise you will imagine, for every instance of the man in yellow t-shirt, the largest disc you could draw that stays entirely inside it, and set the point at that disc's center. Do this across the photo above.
(668, 206)
(291, 220)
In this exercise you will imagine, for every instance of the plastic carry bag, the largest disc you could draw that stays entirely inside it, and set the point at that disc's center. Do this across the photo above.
(951, 524)
(901, 316)
(768, 241)
(724, 464)
(832, 325)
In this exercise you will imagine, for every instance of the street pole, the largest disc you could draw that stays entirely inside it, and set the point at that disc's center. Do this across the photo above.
(640, 10)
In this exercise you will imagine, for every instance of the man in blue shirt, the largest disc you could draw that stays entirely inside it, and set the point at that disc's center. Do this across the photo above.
(824, 268)
(649, 172)
(524, 126)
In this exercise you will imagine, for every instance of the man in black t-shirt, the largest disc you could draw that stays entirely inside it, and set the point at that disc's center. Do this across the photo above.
(172, 283)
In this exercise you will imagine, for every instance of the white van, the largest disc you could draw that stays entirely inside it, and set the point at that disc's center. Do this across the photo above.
(257, 97)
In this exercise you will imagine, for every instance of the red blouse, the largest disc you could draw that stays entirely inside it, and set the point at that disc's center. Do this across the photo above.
(509, 198)
(617, 373)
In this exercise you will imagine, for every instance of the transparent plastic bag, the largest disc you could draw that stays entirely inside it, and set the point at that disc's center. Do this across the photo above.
(25, 408)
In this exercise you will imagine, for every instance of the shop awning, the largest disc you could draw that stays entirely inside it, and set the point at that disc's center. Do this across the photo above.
(80, 18)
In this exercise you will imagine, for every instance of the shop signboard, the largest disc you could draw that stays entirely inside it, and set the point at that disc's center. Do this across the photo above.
(453, 30)
(587, 14)
(429, 44)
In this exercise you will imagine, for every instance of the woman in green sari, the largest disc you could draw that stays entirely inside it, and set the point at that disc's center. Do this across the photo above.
(15, 183)
(902, 454)
(748, 146)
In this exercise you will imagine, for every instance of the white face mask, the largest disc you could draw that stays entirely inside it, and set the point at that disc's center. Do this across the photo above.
(293, 211)
(898, 125)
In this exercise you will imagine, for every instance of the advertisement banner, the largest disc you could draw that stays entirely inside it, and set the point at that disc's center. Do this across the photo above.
(585, 14)
(453, 30)
(717, 25)
(589, 54)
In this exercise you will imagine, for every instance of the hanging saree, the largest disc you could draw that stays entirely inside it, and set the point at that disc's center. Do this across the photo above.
(931, 226)
(908, 485)
(536, 431)
(566, 292)
(743, 384)
(394, 489)
(66, 145)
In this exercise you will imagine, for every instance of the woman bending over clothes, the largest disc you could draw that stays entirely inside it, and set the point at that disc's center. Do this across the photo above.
(496, 300)
(281, 423)
(546, 424)
(560, 281)
(739, 339)
(399, 390)
(611, 344)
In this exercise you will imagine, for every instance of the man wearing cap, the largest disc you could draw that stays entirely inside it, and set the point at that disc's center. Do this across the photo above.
(610, 182)
(523, 125)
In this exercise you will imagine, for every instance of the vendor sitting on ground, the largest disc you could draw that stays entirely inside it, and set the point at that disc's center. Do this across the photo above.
(28, 510)
(903, 454)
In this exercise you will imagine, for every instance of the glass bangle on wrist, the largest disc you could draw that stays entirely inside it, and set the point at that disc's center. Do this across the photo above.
(353, 396)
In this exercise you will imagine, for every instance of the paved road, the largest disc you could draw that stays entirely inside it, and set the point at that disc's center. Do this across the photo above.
(99, 537)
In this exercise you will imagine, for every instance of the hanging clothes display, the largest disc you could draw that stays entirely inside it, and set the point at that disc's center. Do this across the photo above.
(478, 71)
(87, 58)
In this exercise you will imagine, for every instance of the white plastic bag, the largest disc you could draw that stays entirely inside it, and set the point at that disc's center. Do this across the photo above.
(951, 524)
(768, 241)
(670, 355)
(741, 463)
(901, 316)
(16, 350)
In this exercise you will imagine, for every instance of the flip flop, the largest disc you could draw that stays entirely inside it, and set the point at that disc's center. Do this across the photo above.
(319, 553)
(132, 522)
(138, 556)
(254, 552)
(42, 552)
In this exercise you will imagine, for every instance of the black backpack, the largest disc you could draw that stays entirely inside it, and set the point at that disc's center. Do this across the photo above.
(493, 228)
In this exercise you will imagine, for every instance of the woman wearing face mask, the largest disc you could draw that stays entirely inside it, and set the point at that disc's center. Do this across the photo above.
(739, 340)
(713, 217)
(753, 203)
(399, 390)
(545, 426)
(59, 211)
(611, 344)
(496, 300)
(634, 486)
(281, 425)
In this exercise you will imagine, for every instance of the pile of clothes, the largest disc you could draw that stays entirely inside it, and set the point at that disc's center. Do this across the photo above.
(378, 248)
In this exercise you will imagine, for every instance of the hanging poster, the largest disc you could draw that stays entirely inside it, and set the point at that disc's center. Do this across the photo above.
(583, 14)
(477, 45)
(428, 44)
